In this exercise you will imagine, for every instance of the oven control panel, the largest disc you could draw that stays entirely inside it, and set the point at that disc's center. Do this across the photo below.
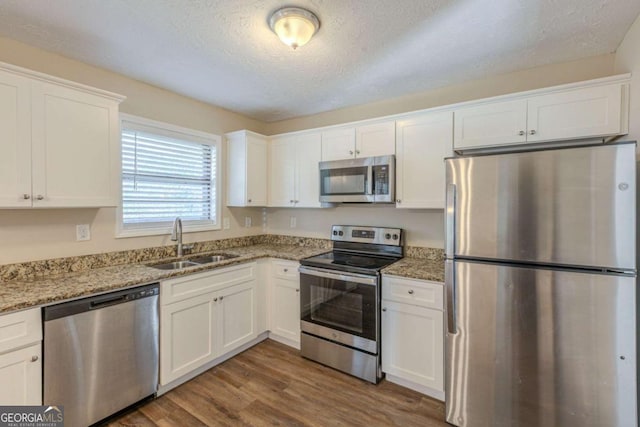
(372, 235)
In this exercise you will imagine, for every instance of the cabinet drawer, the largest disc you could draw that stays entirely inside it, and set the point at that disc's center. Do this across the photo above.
(285, 269)
(412, 291)
(201, 283)
(20, 329)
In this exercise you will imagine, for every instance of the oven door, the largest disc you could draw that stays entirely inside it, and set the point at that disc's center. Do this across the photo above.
(341, 307)
(347, 180)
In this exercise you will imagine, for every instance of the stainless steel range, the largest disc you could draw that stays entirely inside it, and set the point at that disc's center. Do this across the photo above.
(340, 299)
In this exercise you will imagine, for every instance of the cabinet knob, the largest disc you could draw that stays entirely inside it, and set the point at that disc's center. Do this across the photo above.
(532, 132)
(297, 201)
(384, 309)
(357, 151)
(26, 196)
(221, 298)
(39, 197)
(351, 152)
(398, 201)
(248, 200)
(521, 133)
(34, 358)
(215, 299)
(292, 201)
(297, 290)
(286, 269)
(410, 291)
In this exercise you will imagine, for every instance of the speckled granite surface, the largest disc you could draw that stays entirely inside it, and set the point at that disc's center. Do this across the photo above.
(33, 269)
(417, 268)
(44, 282)
(29, 292)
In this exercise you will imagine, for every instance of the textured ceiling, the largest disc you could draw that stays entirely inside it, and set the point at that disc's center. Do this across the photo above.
(223, 52)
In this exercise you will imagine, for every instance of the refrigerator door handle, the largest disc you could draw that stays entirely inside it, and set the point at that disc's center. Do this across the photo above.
(450, 218)
(450, 289)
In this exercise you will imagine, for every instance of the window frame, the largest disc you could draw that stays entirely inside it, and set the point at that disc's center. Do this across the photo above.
(170, 130)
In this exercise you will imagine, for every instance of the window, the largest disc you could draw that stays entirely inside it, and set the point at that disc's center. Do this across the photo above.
(167, 172)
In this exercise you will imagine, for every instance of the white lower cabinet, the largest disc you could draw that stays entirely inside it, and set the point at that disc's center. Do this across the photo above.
(284, 303)
(220, 317)
(413, 334)
(21, 358)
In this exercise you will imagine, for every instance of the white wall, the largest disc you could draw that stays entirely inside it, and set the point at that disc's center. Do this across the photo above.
(40, 234)
(627, 60)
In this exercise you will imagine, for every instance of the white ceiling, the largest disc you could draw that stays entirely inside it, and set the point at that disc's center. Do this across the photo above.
(223, 52)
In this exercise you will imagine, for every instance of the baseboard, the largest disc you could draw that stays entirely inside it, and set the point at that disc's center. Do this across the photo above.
(431, 392)
(285, 341)
(183, 379)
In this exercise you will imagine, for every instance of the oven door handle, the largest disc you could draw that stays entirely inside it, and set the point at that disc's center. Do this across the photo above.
(347, 277)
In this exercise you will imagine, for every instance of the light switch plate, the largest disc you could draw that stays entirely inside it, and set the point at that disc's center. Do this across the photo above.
(83, 232)
(225, 223)
(292, 222)
(247, 221)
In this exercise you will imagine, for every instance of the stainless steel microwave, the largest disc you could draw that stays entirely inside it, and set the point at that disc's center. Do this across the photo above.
(365, 180)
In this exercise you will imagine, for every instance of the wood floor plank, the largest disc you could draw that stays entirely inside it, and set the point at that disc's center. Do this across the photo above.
(272, 385)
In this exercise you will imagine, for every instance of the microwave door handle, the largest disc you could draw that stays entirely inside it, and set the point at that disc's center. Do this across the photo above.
(369, 184)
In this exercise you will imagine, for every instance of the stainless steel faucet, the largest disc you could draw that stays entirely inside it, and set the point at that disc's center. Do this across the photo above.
(176, 234)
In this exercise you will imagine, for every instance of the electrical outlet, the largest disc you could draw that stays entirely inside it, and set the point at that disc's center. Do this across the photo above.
(225, 223)
(292, 222)
(247, 221)
(83, 232)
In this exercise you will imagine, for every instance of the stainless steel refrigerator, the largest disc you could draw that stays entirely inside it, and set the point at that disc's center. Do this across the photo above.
(541, 288)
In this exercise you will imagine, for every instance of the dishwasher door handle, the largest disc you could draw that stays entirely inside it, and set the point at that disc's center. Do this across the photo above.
(107, 302)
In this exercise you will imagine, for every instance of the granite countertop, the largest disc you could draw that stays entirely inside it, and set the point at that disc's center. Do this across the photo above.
(20, 294)
(417, 268)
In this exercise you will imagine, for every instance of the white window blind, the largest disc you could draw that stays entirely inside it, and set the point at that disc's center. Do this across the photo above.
(165, 176)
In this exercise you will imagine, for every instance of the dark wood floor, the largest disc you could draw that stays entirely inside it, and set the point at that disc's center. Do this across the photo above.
(271, 385)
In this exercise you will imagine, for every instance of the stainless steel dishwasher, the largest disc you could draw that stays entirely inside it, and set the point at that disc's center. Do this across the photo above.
(101, 353)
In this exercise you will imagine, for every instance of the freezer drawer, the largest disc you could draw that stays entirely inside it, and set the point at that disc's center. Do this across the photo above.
(539, 347)
(570, 206)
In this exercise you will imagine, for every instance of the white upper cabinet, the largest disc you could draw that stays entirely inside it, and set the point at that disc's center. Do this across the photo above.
(15, 149)
(294, 171)
(338, 144)
(247, 173)
(376, 139)
(422, 143)
(60, 143)
(497, 123)
(578, 113)
(589, 112)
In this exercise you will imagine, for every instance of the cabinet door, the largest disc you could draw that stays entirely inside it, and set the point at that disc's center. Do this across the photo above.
(497, 123)
(422, 143)
(15, 148)
(285, 309)
(75, 142)
(21, 376)
(282, 172)
(186, 336)
(580, 113)
(412, 344)
(256, 171)
(238, 316)
(376, 140)
(308, 155)
(338, 144)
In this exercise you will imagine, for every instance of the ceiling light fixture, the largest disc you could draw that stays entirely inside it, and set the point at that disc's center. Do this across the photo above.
(294, 26)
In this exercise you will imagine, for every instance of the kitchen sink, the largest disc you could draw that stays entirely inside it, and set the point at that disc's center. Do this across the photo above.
(212, 258)
(193, 261)
(174, 265)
